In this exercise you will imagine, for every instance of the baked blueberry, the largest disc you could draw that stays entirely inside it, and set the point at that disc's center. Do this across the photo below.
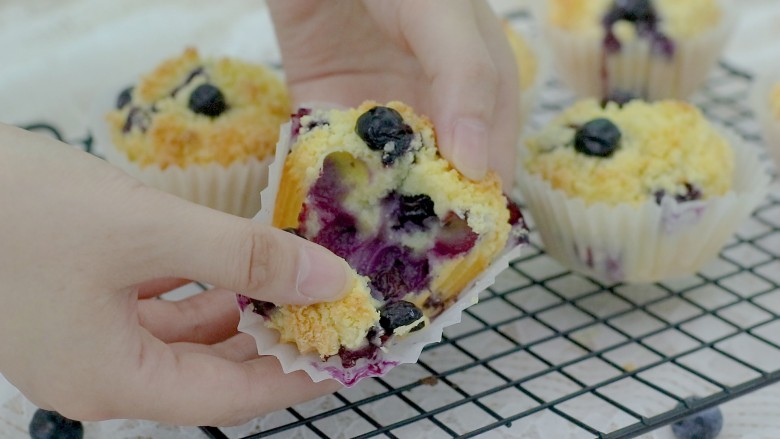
(46, 424)
(193, 74)
(261, 307)
(692, 193)
(635, 11)
(415, 209)
(383, 129)
(599, 138)
(399, 314)
(394, 270)
(208, 100)
(619, 97)
(706, 424)
(124, 97)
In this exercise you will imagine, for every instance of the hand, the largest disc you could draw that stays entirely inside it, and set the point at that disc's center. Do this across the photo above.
(85, 249)
(447, 58)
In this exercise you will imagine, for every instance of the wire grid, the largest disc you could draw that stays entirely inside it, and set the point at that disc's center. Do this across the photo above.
(548, 350)
(549, 346)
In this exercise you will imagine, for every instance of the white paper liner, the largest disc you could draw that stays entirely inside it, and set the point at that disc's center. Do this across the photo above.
(397, 351)
(761, 106)
(635, 69)
(232, 189)
(645, 243)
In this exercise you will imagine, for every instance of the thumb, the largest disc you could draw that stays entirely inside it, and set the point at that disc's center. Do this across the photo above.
(464, 79)
(242, 256)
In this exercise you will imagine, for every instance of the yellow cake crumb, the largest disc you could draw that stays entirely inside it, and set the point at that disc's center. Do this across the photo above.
(257, 103)
(663, 146)
(678, 18)
(325, 327)
(527, 65)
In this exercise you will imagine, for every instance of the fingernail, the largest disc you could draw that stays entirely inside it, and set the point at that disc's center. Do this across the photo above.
(470, 152)
(321, 275)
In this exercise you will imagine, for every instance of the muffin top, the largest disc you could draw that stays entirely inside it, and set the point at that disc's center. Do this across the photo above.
(632, 154)
(774, 101)
(412, 168)
(191, 110)
(527, 65)
(675, 18)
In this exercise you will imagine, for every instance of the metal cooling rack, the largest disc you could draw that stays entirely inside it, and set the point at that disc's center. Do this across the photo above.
(548, 350)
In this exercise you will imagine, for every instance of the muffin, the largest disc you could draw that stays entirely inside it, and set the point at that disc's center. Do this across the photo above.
(528, 68)
(765, 102)
(369, 184)
(639, 192)
(201, 128)
(649, 49)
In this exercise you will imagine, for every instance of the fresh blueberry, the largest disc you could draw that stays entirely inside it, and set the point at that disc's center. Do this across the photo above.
(208, 100)
(52, 425)
(124, 98)
(400, 314)
(415, 209)
(599, 138)
(383, 129)
(706, 424)
(137, 118)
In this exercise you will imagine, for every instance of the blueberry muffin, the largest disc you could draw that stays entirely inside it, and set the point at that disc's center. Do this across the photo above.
(369, 184)
(201, 128)
(650, 49)
(632, 153)
(639, 192)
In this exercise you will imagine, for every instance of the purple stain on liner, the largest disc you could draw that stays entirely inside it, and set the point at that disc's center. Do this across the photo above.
(350, 377)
